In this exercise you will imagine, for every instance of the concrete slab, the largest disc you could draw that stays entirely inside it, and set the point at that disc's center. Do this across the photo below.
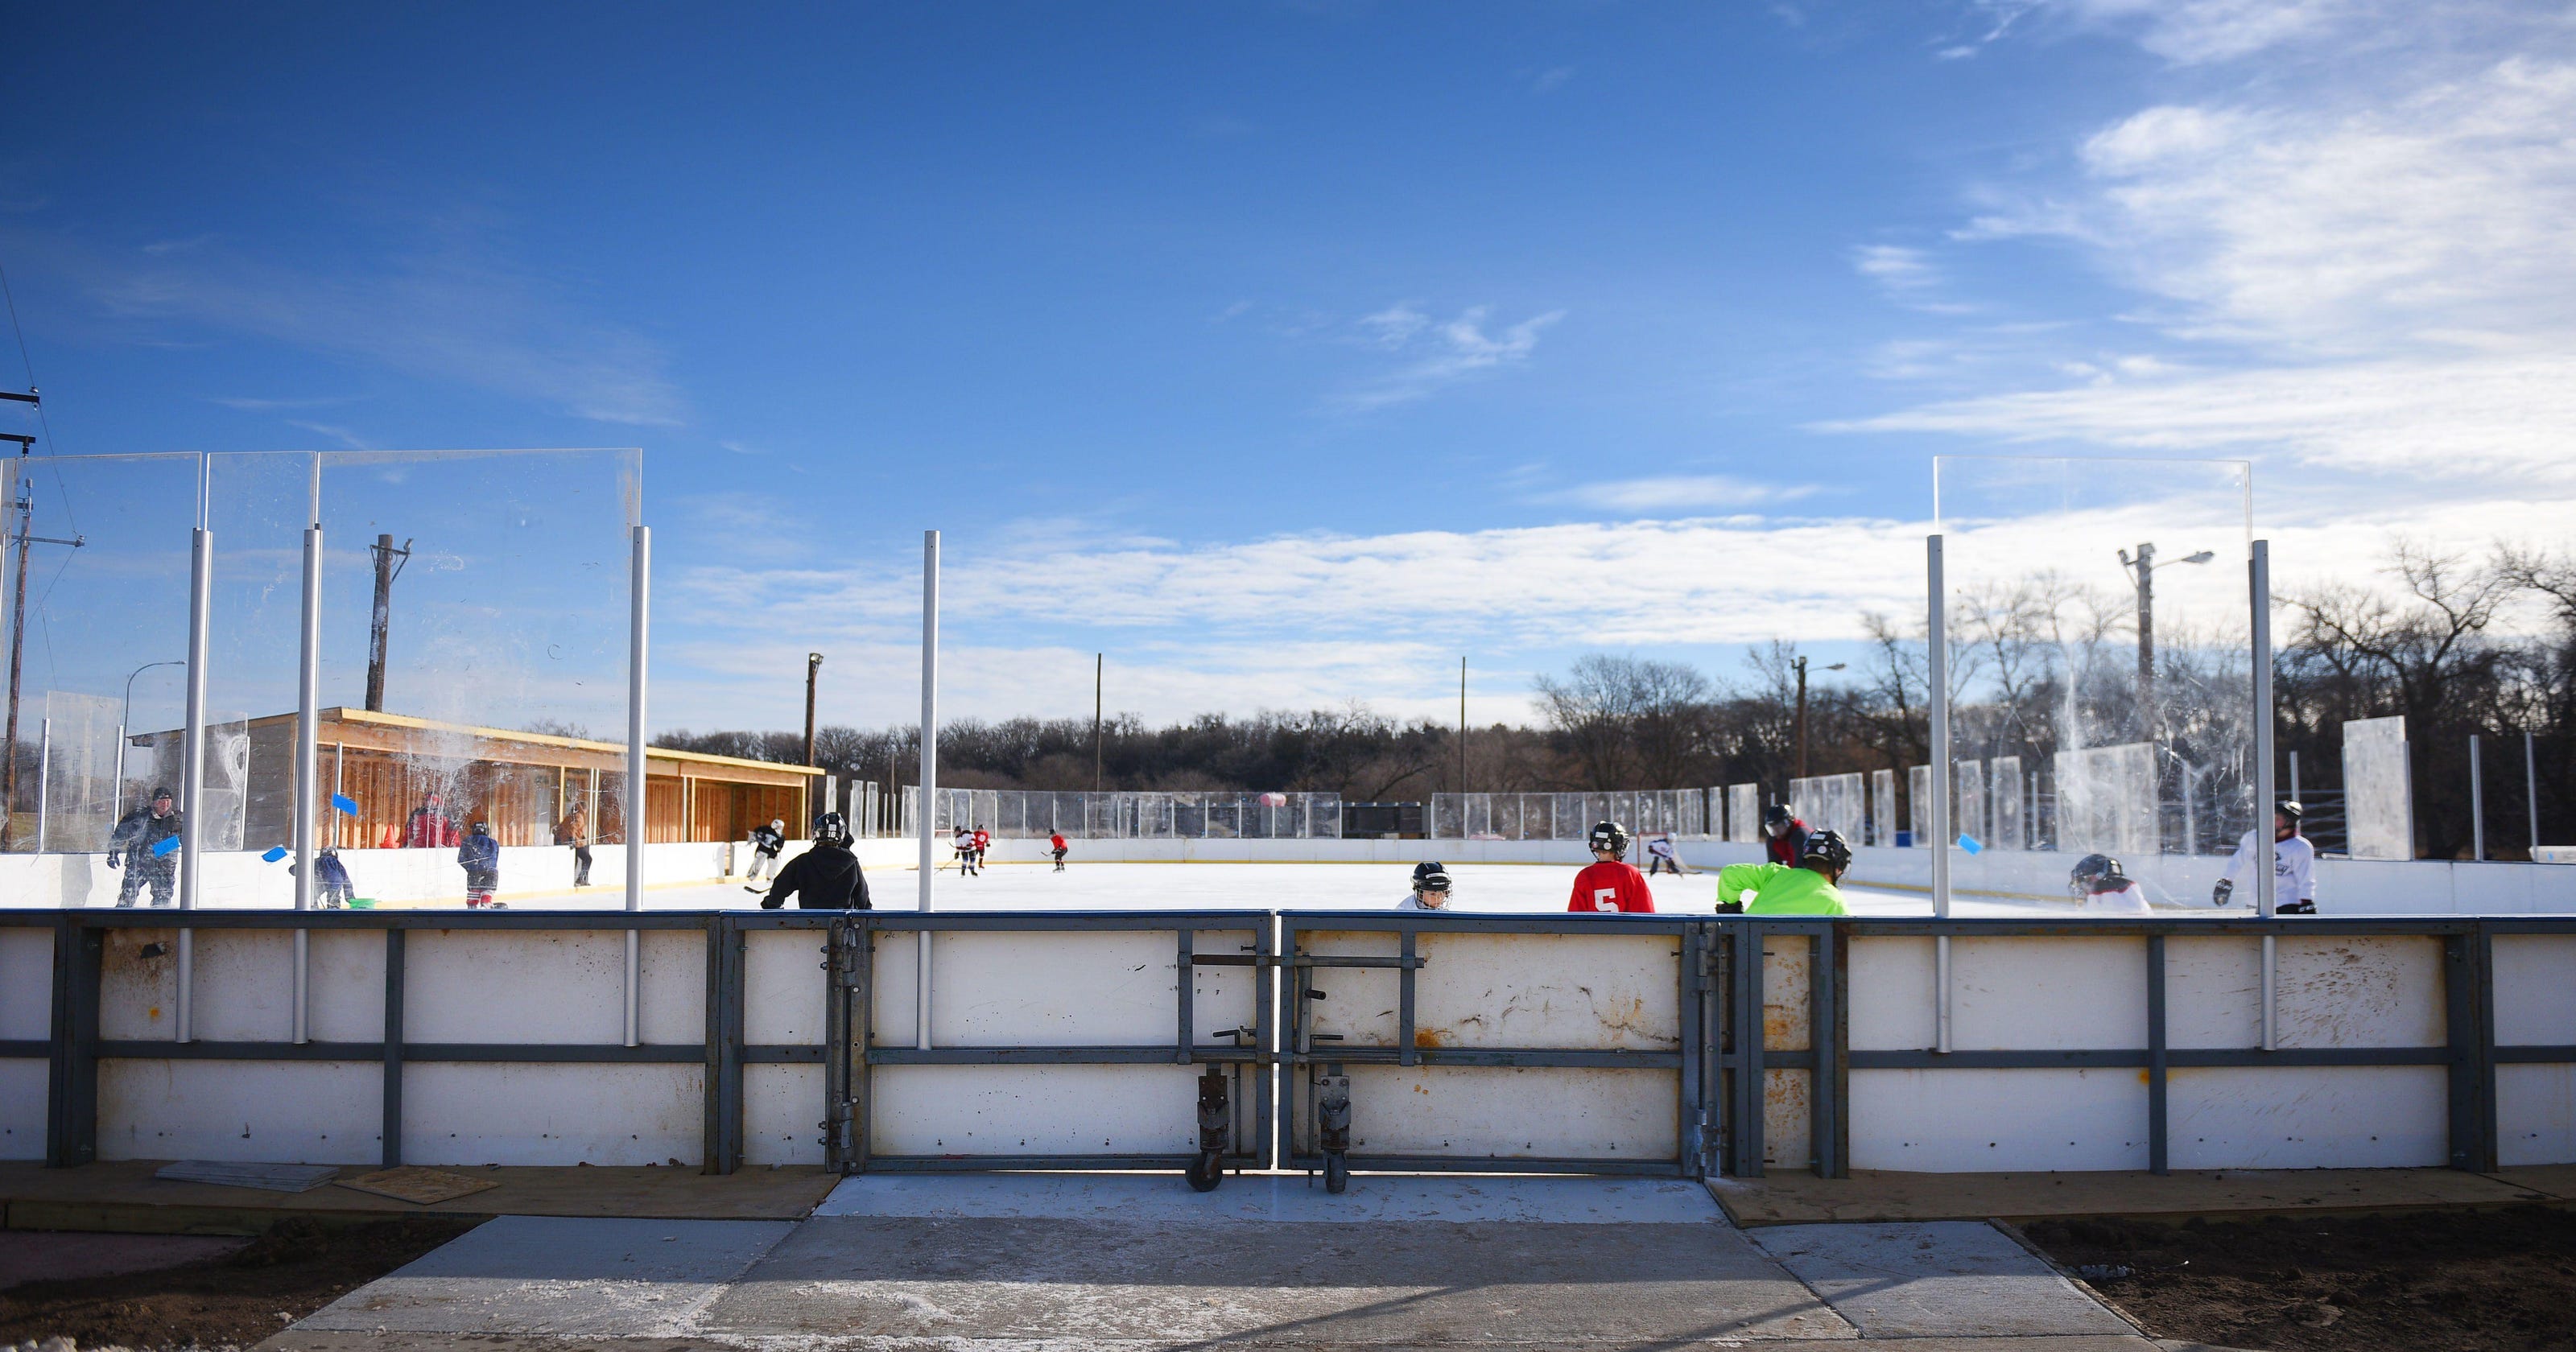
(559, 1276)
(2549, 1182)
(293, 1341)
(124, 1196)
(1165, 1200)
(1076, 1284)
(1944, 1279)
(1798, 1198)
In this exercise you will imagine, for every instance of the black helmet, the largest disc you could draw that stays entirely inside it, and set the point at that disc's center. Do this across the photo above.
(830, 829)
(2293, 809)
(1610, 836)
(2091, 869)
(1828, 846)
(1431, 876)
(1776, 814)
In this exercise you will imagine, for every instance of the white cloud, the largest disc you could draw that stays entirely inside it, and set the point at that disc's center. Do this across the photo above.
(1551, 80)
(2185, 32)
(335, 432)
(452, 309)
(1683, 493)
(1439, 353)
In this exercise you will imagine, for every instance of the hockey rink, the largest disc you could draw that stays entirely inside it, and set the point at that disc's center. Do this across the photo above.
(1512, 888)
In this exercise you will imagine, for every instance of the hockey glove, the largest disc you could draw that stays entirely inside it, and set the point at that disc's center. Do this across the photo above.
(2218, 895)
(115, 859)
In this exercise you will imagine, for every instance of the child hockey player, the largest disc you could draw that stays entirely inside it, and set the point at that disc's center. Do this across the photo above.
(1784, 837)
(2098, 880)
(330, 879)
(824, 878)
(1055, 847)
(1607, 884)
(2294, 865)
(1430, 892)
(1778, 889)
(1660, 857)
(983, 842)
(766, 842)
(480, 856)
(965, 847)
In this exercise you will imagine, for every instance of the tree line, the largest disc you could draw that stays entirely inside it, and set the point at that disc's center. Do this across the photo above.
(2458, 643)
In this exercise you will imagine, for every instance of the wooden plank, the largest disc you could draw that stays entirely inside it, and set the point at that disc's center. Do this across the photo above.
(273, 1177)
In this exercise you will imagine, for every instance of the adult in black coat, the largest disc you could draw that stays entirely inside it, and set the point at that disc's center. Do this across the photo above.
(824, 878)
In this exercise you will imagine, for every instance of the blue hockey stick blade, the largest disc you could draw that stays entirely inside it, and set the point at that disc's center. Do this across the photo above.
(273, 853)
(345, 803)
(166, 846)
(1969, 843)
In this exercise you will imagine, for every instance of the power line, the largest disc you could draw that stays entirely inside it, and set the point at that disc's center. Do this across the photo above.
(27, 360)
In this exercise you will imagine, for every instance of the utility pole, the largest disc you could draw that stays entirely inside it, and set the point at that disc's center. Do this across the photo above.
(1099, 663)
(813, 663)
(22, 536)
(387, 569)
(2144, 568)
(1801, 664)
(1462, 725)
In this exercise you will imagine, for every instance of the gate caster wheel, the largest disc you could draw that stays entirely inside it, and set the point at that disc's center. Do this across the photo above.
(1206, 1172)
(1337, 1173)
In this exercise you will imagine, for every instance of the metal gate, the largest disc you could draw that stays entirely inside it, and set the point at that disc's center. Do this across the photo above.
(1054, 1040)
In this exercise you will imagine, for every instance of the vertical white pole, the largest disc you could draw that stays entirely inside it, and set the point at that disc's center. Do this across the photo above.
(639, 596)
(929, 772)
(192, 765)
(2531, 792)
(44, 776)
(1937, 631)
(308, 766)
(2476, 805)
(2259, 604)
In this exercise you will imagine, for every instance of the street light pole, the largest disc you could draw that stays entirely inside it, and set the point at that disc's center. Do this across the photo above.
(813, 664)
(124, 726)
(1801, 664)
(2144, 566)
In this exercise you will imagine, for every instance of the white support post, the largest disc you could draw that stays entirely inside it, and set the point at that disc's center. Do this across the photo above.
(2258, 570)
(639, 597)
(2531, 792)
(192, 765)
(2476, 805)
(929, 773)
(1936, 629)
(44, 777)
(308, 768)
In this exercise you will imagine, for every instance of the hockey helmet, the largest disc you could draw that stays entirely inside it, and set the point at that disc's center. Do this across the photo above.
(830, 829)
(1431, 876)
(1828, 848)
(2293, 809)
(2085, 878)
(1610, 836)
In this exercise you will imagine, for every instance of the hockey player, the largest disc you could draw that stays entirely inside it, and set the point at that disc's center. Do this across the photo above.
(1778, 889)
(430, 828)
(825, 877)
(332, 878)
(766, 842)
(1431, 886)
(2098, 880)
(983, 843)
(1055, 847)
(480, 856)
(1660, 857)
(964, 844)
(1784, 837)
(129, 846)
(1608, 883)
(2294, 865)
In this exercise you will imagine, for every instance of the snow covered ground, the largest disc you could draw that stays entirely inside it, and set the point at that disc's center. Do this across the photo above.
(1521, 888)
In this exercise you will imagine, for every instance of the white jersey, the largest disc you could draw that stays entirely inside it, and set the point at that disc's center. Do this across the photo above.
(2129, 900)
(1413, 902)
(1660, 848)
(2294, 868)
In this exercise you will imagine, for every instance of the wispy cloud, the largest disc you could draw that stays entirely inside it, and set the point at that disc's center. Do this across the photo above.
(335, 432)
(446, 304)
(250, 405)
(1551, 80)
(2185, 32)
(1436, 353)
(1907, 275)
(1684, 494)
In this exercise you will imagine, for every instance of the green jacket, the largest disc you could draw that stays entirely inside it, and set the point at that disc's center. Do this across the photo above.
(1779, 890)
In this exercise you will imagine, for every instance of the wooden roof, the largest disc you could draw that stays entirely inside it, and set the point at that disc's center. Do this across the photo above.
(401, 734)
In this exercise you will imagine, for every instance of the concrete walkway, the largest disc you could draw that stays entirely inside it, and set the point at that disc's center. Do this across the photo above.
(1134, 1262)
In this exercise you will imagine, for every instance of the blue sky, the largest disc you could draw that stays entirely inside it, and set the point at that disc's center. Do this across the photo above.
(1286, 351)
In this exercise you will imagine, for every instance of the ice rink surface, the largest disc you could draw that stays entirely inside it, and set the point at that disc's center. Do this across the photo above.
(1515, 888)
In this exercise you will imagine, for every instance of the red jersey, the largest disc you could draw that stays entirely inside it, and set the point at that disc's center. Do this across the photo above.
(1610, 885)
(983, 840)
(1055, 842)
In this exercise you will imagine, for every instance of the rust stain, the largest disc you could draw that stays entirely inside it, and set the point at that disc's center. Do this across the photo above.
(1430, 1037)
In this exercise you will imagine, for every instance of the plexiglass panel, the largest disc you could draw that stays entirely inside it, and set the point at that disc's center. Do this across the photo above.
(2098, 615)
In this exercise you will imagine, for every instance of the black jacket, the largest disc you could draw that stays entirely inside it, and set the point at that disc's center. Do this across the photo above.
(138, 831)
(767, 841)
(826, 876)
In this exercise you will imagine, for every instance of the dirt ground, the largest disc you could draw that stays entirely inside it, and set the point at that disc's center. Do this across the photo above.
(2503, 1280)
(236, 1299)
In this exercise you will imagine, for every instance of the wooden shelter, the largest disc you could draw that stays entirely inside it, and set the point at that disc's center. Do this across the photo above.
(521, 783)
